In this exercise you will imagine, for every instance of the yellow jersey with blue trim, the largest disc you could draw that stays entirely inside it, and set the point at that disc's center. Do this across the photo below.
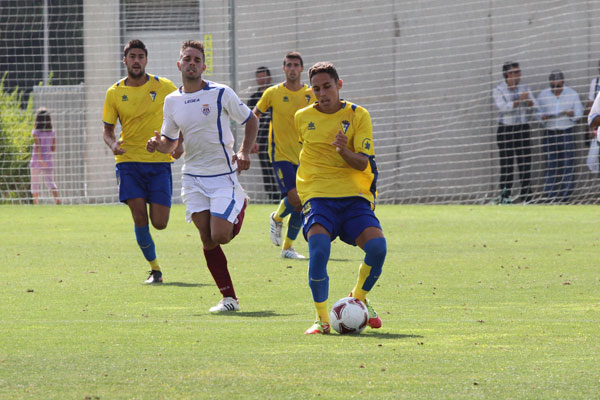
(283, 141)
(140, 111)
(322, 171)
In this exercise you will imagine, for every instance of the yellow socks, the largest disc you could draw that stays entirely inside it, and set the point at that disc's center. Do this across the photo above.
(363, 273)
(154, 265)
(279, 211)
(322, 313)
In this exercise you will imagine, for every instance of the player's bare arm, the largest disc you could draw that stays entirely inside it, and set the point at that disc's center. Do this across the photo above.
(595, 123)
(111, 141)
(161, 144)
(355, 160)
(176, 154)
(243, 155)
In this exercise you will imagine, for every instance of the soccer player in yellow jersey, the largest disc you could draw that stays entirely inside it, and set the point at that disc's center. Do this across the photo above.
(284, 100)
(336, 184)
(143, 177)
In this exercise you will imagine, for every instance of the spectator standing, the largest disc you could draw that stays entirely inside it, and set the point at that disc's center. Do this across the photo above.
(559, 108)
(42, 159)
(263, 80)
(514, 102)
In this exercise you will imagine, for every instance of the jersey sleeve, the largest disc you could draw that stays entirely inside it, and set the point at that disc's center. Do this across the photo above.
(169, 128)
(265, 100)
(110, 113)
(297, 117)
(236, 109)
(363, 134)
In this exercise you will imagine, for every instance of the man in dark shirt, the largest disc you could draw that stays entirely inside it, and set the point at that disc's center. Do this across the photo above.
(263, 80)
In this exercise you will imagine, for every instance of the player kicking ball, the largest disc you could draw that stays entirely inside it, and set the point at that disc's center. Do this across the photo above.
(336, 184)
(215, 201)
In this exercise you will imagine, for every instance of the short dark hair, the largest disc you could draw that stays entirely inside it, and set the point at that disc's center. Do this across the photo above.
(556, 75)
(43, 121)
(508, 65)
(262, 69)
(134, 44)
(323, 67)
(195, 44)
(294, 54)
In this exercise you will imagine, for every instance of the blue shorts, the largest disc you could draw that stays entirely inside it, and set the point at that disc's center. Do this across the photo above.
(345, 217)
(285, 173)
(150, 181)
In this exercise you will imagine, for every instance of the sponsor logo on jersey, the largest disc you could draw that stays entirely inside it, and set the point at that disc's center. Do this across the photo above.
(307, 97)
(153, 95)
(286, 99)
(311, 126)
(124, 98)
(205, 109)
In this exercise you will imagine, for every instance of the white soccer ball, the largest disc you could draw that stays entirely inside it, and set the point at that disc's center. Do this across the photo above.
(349, 315)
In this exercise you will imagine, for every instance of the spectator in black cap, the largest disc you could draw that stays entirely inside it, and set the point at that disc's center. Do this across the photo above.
(559, 108)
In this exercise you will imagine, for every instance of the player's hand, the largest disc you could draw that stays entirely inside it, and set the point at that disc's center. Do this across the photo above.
(254, 149)
(116, 148)
(178, 151)
(340, 142)
(153, 142)
(243, 160)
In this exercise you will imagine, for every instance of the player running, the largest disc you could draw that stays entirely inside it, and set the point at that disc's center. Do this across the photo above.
(284, 100)
(336, 184)
(215, 201)
(137, 102)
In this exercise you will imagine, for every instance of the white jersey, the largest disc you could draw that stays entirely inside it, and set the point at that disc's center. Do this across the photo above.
(203, 119)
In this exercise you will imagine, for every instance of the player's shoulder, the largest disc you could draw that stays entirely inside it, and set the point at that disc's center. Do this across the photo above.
(355, 108)
(306, 111)
(161, 81)
(275, 88)
(117, 85)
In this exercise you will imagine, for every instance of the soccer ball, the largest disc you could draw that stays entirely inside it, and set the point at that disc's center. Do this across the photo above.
(349, 315)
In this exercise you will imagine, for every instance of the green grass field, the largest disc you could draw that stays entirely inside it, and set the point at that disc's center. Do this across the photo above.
(477, 302)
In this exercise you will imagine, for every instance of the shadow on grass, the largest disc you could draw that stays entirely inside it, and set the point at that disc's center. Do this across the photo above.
(387, 335)
(182, 284)
(249, 314)
(340, 259)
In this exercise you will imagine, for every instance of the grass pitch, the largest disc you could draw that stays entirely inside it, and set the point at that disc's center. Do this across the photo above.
(477, 302)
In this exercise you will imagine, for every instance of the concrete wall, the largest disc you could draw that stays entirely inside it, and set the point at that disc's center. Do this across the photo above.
(425, 74)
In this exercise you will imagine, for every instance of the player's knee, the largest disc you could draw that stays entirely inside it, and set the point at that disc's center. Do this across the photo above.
(160, 225)
(376, 250)
(221, 237)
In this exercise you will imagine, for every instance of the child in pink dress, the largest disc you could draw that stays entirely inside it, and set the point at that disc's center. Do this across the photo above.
(42, 159)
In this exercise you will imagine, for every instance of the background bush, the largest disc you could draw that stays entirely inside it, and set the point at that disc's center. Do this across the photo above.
(16, 124)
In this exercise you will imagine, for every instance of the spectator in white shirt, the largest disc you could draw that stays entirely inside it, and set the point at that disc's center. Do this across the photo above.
(559, 108)
(593, 93)
(514, 102)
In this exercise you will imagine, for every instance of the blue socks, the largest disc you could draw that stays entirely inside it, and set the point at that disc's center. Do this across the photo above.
(375, 251)
(294, 225)
(288, 208)
(319, 247)
(144, 239)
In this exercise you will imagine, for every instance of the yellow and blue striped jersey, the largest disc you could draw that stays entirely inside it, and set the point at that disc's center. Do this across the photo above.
(322, 171)
(283, 140)
(140, 111)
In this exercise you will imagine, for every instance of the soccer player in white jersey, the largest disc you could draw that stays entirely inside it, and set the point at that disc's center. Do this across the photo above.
(215, 201)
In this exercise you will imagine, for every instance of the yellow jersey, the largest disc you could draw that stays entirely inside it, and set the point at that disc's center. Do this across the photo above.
(283, 140)
(322, 171)
(140, 111)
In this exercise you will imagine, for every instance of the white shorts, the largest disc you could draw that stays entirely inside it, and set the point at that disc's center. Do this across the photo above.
(222, 195)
